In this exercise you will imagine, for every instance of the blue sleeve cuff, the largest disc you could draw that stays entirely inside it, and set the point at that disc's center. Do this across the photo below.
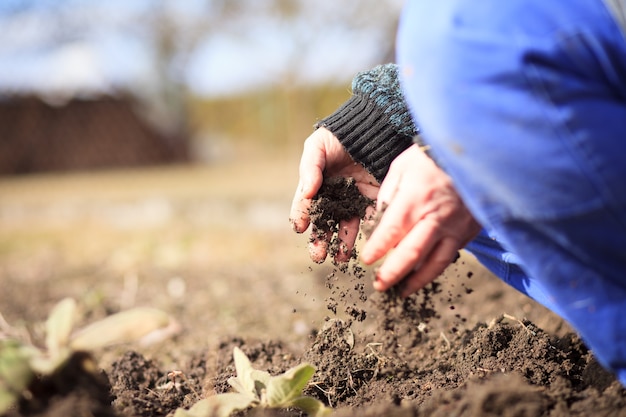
(507, 266)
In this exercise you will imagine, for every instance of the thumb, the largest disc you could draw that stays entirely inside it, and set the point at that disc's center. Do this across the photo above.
(311, 169)
(312, 165)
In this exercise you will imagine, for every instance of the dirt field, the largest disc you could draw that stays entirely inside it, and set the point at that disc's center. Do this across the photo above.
(212, 246)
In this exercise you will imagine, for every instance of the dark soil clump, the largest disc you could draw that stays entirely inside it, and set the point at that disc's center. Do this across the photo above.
(404, 321)
(141, 388)
(338, 199)
(75, 389)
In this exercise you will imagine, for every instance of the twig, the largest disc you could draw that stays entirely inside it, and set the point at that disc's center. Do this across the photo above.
(508, 316)
(445, 339)
(327, 393)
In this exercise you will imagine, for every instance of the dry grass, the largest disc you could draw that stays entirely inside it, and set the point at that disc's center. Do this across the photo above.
(248, 197)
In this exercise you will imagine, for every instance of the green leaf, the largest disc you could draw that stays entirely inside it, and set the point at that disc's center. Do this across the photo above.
(235, 382)
(243, 367)
(221, 405)
(311, 406)
(260, 378)
(59, 326)
(282, 389)
(15, 373)
(123, 327)
(7, 399)
(255, 387)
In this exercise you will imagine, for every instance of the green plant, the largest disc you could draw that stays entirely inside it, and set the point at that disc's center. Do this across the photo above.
(21, 362)
(255, 388)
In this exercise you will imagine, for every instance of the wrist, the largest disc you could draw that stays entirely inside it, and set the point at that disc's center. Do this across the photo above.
(364, 129)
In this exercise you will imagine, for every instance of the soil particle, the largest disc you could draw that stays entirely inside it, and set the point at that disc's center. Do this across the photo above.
(341, 370)
(338, 199)
(508, 367)
(141, 388)
(76, 389)
(404, 320)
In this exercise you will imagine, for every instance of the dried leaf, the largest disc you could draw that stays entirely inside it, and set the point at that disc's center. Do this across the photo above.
(123, 327)
(59, 326)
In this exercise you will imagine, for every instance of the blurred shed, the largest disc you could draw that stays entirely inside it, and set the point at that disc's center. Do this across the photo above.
(82, 134)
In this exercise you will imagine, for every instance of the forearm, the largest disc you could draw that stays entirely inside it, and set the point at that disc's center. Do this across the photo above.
(374, 125)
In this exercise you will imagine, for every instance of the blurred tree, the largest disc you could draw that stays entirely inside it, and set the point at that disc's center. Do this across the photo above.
(172, 31)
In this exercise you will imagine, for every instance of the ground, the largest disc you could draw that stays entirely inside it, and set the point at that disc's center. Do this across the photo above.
(212, 246)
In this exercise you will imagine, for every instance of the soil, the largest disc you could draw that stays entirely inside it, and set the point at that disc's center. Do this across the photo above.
(467, 345)
(338, 199)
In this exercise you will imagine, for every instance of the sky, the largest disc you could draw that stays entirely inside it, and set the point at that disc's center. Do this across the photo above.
(85, 46)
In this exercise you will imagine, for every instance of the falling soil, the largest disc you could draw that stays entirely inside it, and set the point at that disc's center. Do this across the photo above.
(376, 354)
(338, 199)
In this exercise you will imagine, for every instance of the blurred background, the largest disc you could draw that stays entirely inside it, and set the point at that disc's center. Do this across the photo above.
(149, 152)
(87, 84)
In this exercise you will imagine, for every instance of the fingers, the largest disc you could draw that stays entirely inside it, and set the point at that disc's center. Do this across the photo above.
(442, 256)
(410, 253)
(412, 277)
(299, 212)
(394, 224)
(318, 245)
(347, 233)
(396, 216)
(323, 155)
(320, 242)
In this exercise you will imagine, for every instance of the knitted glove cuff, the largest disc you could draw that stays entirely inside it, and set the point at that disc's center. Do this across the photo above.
(374, 125)
(365, 132)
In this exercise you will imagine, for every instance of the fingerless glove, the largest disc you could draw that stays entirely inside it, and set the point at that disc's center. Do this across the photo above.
(374, 125)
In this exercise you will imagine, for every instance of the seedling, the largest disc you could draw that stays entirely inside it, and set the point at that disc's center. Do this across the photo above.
(175, 380)
(255, 388)
(21, 362)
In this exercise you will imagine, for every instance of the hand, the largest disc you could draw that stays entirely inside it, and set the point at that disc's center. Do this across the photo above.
(424, 219)
(324, 156)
